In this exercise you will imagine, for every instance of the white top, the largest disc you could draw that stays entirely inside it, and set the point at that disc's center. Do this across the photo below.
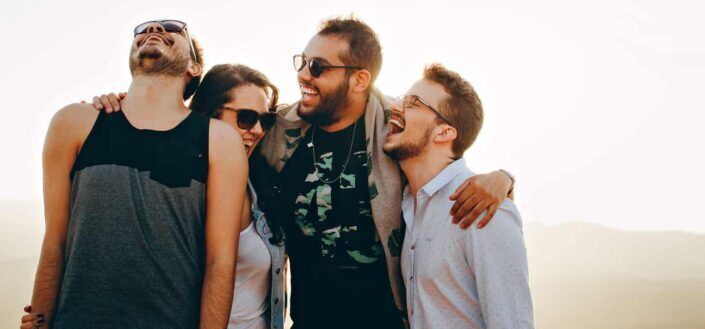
(463, 278)
(252, 281)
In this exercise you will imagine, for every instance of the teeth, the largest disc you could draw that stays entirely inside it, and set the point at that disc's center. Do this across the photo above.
(249, 143)
(308, 90)
(397, 123)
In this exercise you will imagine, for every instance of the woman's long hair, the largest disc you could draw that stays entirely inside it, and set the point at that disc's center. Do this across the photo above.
(212, 94)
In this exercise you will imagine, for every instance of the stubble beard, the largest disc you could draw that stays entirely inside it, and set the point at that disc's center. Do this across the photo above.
(407, 150)
(329, 110)
(153, 62)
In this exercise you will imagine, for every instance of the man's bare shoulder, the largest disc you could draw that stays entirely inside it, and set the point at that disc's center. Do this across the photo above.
(223, 140)
(69, 128)
(75, 116)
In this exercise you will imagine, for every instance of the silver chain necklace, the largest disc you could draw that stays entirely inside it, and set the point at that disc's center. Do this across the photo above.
(313, 146)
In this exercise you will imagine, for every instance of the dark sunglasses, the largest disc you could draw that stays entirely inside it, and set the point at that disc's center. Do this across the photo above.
(410, 101)
(247, 118)
(171, 26)
(315, 67)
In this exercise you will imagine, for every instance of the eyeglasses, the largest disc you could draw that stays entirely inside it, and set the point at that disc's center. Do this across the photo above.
(410, 101)
(169, 25)
(247, 118)
(315, 67)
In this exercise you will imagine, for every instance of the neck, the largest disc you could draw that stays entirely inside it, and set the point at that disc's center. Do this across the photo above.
(155, 95)
(351, 113)
(421, 169)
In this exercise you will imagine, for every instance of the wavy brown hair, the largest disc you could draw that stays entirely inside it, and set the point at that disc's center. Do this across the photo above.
(364, 49)
(221, 79)
(463, 108)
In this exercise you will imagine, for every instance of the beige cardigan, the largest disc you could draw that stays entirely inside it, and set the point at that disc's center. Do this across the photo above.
(384, 177)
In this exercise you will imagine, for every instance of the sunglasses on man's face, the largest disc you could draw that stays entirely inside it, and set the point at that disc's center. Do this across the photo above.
(315, 67)
(247, 118)
(171, 26)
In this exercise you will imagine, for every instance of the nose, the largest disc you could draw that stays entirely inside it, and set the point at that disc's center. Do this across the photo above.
(155, 27)
(304, 74)
(257, 130)
(397, 106)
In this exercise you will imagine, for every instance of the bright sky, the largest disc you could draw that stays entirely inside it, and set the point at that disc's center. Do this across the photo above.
(595, 106)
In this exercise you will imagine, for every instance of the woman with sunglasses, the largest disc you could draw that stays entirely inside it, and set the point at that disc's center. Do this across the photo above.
(245, 99)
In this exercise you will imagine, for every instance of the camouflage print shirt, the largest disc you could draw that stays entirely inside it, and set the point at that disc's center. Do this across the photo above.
(339, 275)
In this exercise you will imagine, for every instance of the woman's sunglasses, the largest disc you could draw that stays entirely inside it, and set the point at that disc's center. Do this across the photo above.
(247, 118)
(315, 67)
(169, 25)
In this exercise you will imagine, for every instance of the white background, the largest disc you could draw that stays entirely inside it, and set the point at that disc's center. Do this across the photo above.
(596, 106)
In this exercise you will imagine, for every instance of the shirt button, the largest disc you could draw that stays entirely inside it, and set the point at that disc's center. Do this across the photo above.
(278, 270)
(413, 246)
(276, 300)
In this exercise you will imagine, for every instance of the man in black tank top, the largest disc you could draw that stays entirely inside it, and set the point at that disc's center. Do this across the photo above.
(131, 240)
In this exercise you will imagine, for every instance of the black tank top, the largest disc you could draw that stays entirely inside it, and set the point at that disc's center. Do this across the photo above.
(135, 246)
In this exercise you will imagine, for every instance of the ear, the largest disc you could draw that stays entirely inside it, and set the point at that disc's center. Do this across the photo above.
(446, 134)
(360, 81)
(195, 69)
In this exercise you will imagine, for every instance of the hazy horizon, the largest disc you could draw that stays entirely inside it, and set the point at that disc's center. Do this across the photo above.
(582, 275)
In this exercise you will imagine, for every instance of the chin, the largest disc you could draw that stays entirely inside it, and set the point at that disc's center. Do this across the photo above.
(388, 147)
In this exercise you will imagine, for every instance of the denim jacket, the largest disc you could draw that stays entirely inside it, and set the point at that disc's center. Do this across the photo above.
(277, 298)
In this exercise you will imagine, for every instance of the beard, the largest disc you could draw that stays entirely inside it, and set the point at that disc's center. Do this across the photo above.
(151, 61)
(329, 110)
(407, 150)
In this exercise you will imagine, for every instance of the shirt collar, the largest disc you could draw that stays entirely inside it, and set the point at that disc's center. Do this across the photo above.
(444, 177)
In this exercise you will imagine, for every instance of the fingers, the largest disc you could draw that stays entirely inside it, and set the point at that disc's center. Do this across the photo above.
(106, 103)
(31, 321)
(464, 205)
(122, 95)
(29, 317)
(114, 102)
(460, 189)
(461, 198)
(476, 212)
(488, 217)
(96, 103)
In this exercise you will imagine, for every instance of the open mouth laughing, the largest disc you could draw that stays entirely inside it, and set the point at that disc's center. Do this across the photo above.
(396, 124)
(308, 93)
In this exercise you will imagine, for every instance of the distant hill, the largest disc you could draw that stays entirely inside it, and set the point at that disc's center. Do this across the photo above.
(583, 276)
(588, 276)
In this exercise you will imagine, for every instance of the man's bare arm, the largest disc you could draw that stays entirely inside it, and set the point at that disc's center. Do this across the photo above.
(226, 188)
(67, 130)
(479, 193)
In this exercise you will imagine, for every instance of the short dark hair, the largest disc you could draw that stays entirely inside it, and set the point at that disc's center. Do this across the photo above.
(364, 49)
(192, 85)
(215, 89)
(463, 108)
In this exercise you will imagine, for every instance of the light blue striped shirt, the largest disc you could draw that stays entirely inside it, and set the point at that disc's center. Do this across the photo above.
(463, 278)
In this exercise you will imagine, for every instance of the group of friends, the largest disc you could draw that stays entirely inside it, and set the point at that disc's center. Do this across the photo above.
(163, 215)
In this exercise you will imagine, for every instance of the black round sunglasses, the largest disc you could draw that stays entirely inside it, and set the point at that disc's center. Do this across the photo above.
(315, 67)
(248, 118)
